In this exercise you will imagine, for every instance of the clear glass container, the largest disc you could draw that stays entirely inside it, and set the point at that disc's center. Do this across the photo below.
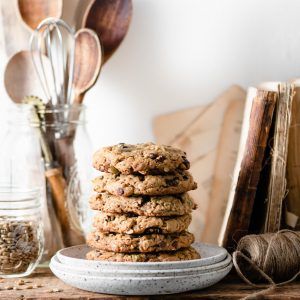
(65, 128)
(23, 164)
(21, 231)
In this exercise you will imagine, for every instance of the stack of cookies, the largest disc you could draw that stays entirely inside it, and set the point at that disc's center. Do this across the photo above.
(143, 206)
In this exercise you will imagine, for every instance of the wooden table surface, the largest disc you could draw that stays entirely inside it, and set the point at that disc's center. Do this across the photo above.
(44, 285)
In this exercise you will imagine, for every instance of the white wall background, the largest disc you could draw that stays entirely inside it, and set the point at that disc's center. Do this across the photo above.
(179, 54)
(183, 53)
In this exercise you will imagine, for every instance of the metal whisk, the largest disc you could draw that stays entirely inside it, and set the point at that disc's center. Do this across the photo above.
(54, 39)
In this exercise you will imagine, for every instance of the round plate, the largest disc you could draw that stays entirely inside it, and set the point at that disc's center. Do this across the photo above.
(55, 263)
(141, 286)
(75, 256)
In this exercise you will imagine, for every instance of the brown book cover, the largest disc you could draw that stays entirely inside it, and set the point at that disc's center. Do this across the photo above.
(258, 116)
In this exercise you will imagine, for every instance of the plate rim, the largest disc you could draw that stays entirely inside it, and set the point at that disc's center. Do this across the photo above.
(209, 268)
(228, 267)
(222, 255)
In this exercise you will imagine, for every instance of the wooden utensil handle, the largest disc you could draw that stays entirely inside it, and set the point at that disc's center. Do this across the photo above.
(58, 185)
(78, 98)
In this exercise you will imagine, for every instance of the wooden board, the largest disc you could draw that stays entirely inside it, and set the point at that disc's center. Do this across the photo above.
(258, 115)
(167, 127)
(198, 134)
(224, 165)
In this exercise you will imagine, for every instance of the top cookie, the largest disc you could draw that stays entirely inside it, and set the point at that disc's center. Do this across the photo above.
(147, 158)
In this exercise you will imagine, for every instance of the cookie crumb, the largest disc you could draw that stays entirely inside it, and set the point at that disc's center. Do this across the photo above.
(29, 287)
(55, 290)
(20, 282)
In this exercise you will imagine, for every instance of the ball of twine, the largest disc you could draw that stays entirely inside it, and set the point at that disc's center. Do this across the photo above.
(275, 256)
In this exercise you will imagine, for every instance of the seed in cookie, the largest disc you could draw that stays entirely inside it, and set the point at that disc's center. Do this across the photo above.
(147, 158)
(169, 205)
(131, 224)
(139, 243)
(183, 254)
(127, 185)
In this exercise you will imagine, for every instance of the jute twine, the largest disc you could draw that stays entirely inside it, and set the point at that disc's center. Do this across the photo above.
(273, 256)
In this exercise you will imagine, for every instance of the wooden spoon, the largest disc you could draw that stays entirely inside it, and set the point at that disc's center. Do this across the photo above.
(110, 19)
(20, 78)
(32, 12)
(87, 63)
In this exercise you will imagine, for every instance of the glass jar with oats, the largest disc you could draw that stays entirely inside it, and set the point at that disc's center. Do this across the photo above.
(21, 232)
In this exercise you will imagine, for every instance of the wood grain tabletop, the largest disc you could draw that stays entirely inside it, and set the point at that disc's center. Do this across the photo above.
(42, 284)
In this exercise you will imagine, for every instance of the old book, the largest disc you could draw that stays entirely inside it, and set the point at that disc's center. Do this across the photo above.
(257, 122)
(277, 184)
(292, 207)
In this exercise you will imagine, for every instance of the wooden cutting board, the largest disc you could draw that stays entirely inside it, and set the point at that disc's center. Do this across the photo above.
(197, 131)
(223, 172)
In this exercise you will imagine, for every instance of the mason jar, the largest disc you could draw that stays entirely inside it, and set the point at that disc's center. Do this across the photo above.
(65, 127)
(21, 231)
(23, 164)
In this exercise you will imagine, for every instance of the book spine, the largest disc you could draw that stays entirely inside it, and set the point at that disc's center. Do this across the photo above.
(260, 122)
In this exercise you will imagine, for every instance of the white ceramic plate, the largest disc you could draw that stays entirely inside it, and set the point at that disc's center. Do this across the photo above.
(141, 286)
(75, 256)
(55, 263)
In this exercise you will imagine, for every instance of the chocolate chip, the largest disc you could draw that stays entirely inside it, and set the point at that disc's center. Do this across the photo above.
(131, 215)
(175, 244)
(173, 181)
(123, 146)
(109, 218)
(141, 177)
(185, 177)
(186, 162)
(152, 155)
(162, 244)
(153, 230)
(145, 199)
(160, 158)
(120, 191)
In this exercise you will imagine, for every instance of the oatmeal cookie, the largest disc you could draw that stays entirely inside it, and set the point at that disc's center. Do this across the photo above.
(117, 242)
(127, 185)
(131, 224)
(182, 254)
(170, 205)
(147, 158)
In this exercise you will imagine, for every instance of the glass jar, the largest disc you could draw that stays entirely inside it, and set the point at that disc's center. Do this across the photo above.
(21, 231)
(21, 166)
(65, 128)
